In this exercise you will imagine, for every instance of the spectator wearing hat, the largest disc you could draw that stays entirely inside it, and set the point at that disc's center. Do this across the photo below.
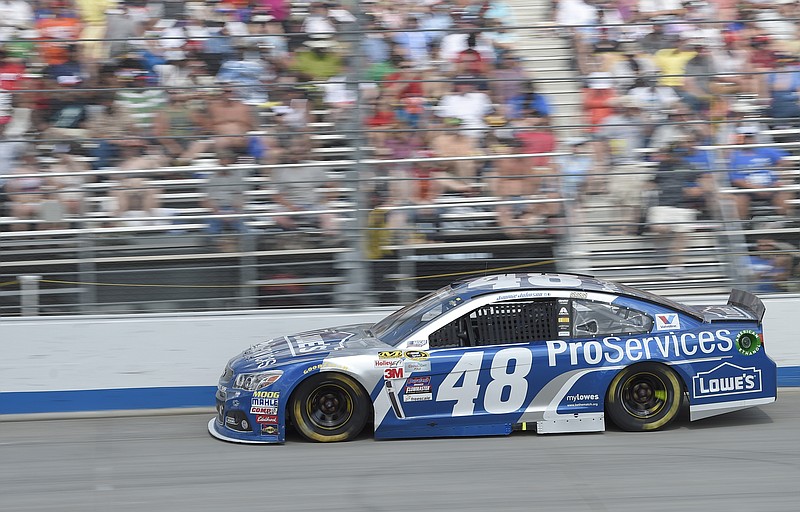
(678, 190)
(65, 114)
(318, 61)
(597, 99)
(754, 169)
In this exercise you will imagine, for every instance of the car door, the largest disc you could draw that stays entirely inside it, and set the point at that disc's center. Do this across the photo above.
(480, 367)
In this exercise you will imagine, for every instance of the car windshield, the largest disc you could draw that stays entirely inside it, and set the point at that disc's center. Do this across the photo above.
(396, 327)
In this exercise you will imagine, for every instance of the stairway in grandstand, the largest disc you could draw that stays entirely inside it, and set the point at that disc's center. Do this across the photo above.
(547, 56)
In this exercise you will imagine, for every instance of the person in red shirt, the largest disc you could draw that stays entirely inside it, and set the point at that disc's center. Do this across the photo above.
(597, 99)
(382, 119)
(538, 137)
(11, 79)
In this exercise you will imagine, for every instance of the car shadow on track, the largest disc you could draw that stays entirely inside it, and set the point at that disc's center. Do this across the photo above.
(745, 417)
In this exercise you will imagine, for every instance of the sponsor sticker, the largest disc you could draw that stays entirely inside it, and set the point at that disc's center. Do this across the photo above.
(418, 385)
(265, 402)
(270, 430)
(415, 381)
(267, 394)
(726, 379)
(563, 334)
(582, 400)
(421, 397)
(668, 322)
(563, 312)
(263, 410)
(748, 342)
(417, 366)
(267, 419)
(614, 349)
(388, 363)
(393, 373)
(563, 319)
(390, 354)
(417, 355)
(418, 343)
(230, 420)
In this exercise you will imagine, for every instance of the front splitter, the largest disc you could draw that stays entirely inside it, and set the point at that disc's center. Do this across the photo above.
(212, 429)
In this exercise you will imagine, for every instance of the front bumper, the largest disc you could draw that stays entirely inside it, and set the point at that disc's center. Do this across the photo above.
(221, 432)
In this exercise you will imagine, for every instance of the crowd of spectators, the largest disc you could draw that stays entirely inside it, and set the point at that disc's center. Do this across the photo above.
(664, 77)
(101, 84)
(89, 85)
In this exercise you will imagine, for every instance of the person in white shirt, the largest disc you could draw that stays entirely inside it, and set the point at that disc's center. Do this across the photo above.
(469, 105)
(14, 15)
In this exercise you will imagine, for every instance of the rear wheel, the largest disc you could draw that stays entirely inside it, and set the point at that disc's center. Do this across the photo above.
(644, 397)
(329, 407)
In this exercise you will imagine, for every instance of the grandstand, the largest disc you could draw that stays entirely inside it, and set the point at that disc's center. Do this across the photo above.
(217, 155)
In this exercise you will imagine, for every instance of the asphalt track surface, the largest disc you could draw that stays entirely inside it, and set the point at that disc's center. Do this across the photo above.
(743, 461)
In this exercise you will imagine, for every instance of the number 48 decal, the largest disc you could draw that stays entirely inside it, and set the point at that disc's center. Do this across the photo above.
(468, 369)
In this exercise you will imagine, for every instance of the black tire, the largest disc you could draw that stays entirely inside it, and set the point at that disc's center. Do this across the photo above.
(644, 397)
(329, 407)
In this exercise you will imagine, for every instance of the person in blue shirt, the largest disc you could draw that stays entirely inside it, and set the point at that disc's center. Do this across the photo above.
(529, 101)
(754, 169)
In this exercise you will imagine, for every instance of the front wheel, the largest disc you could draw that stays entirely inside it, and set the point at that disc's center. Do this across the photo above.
(644, 397)
(329, 407)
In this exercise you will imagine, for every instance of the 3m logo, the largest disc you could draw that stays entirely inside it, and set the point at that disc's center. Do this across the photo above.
(667, 322)
(726, 379)
(393, 373)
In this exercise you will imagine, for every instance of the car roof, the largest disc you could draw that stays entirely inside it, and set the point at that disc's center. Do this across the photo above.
(564, 281)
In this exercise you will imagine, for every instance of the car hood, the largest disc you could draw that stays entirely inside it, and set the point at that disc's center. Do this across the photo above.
(307, 346)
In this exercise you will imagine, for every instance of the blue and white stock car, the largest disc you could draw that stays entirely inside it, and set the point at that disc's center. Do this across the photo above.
(487, 356)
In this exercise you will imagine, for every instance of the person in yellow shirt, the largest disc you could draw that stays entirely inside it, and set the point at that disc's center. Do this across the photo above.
(93, 16)
(672, 61)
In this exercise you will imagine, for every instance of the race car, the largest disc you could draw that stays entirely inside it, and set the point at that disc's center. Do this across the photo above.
(552, 353)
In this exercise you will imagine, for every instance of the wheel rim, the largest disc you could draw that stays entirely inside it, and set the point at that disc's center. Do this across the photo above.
(329, 407)
(644, 395)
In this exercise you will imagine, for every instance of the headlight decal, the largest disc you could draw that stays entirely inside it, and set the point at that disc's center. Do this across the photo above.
(256, 381)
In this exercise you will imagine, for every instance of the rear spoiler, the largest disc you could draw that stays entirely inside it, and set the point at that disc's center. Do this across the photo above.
(748, 302)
